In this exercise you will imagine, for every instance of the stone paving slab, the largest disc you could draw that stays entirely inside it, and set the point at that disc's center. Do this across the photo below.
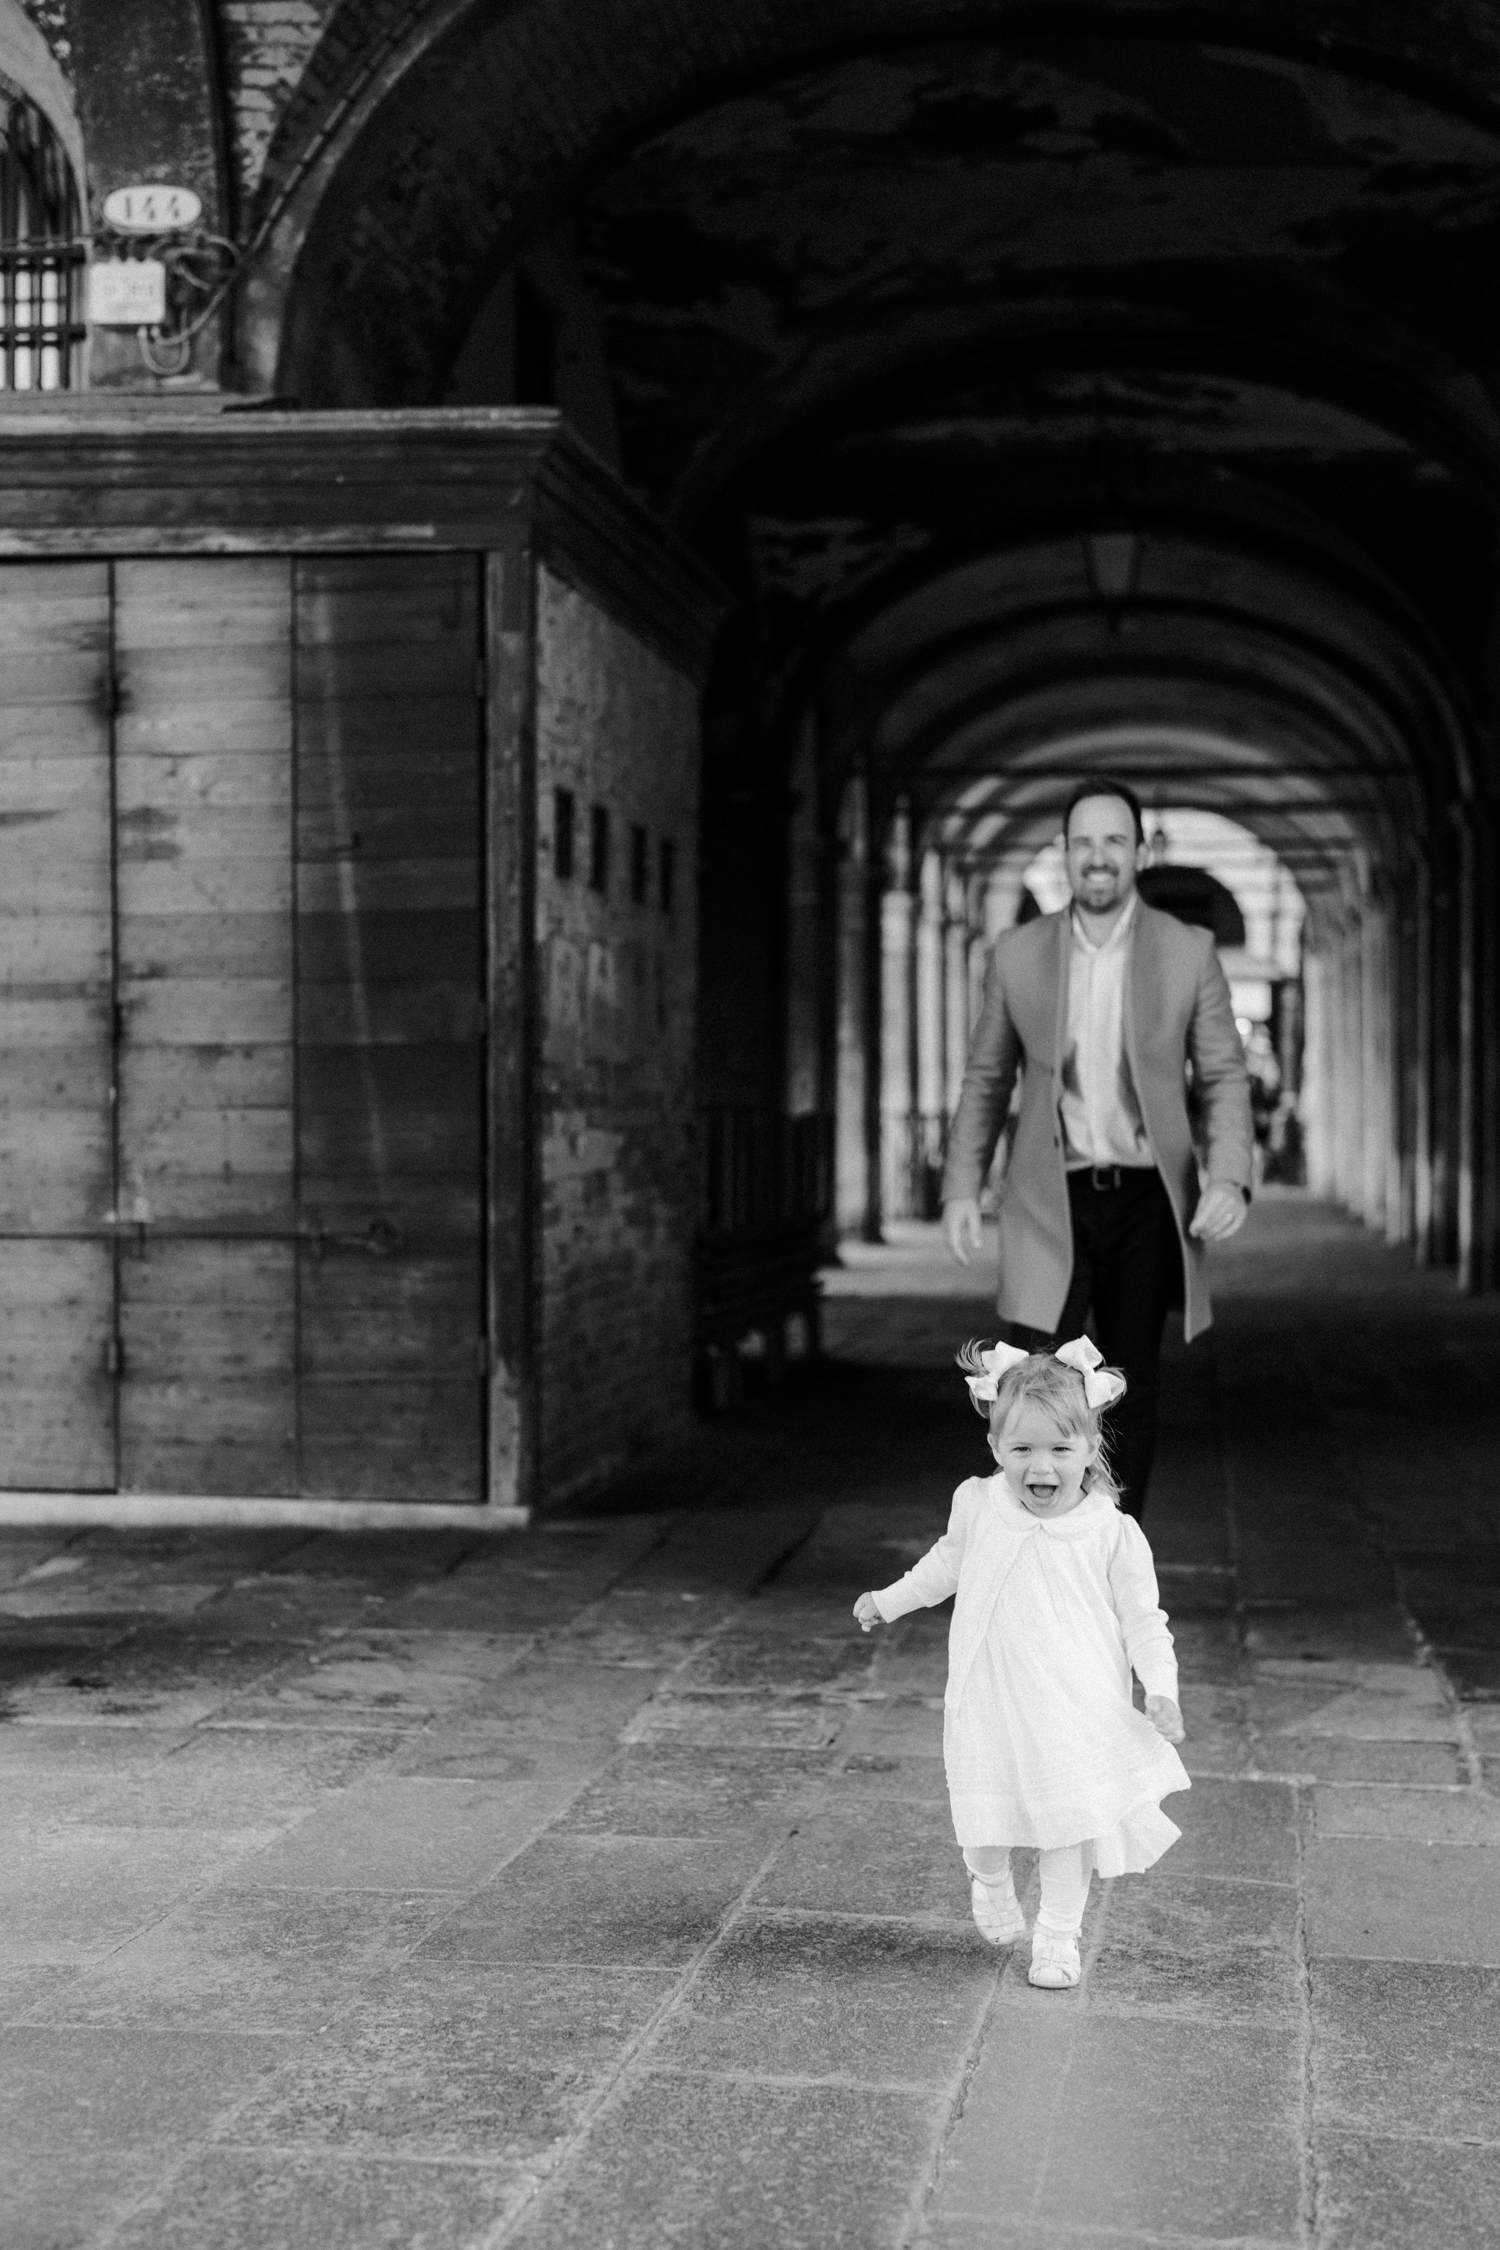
(1378, 2194)
(1186, 1945)
(643, 1902)
(679, 1789)
(231, 1777)
(250, 1960)
(74, 1894)
(596, 1886)
(75, 2089)
(1109, 2122)
(48, 2204)
(1379, 1900)
(844, 1998)
(1405, 2048)
(494, 2066)
(745, 2155)
(222, 2198)
(410, 1832)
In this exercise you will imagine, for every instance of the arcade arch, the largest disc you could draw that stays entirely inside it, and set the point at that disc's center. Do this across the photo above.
(1249, 689)
(919, 324)
(1040, 386)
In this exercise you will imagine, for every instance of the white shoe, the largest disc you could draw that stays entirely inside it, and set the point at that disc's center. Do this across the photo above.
(998, 1918)
(1055, 1964)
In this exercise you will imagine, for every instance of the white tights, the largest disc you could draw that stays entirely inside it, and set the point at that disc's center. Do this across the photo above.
(1065, 1874)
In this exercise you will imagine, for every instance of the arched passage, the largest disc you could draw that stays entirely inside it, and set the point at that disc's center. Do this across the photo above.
(1038, 383)
(1043, 386)
(1313, 709)
(1039, 390)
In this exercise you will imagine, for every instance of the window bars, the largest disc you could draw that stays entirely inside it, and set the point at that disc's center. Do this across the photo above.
(41, 255)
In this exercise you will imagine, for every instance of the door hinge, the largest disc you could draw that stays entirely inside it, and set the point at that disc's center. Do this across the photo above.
(114, 1356)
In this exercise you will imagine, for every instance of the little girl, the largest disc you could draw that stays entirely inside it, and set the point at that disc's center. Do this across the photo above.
(1056, 1603)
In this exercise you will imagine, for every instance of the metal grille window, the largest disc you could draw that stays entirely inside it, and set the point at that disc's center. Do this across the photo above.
(41, 255)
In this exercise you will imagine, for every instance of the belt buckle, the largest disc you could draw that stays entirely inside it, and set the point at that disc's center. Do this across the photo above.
(1106, 1178)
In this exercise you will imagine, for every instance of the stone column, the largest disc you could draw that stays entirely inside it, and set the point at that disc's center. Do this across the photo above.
(852, 1174)
(931, 1033)
(1349, 1085)
(804, 879)
(897, 1023)
(956, 984)
(1317, 1073)
(1375, 1060)
(1466, 1200)
(1398, 982)
(1419, 1063)
(1487, 1051)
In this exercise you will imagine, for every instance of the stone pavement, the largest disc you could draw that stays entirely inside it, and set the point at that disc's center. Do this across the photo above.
(594, 1886)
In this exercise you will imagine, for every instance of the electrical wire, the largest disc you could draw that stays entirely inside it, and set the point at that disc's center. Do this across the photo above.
(181, 340)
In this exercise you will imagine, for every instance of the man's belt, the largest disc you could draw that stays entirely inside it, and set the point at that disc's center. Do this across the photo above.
(1105, 1178)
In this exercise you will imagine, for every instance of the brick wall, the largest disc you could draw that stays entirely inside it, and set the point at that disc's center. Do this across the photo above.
(52, 21)
(266, 46)
(617, 730)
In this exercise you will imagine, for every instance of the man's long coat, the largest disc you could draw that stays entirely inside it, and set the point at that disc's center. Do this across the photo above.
(1177, 1008)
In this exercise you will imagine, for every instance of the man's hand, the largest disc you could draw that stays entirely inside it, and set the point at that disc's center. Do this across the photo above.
(1165, 1717)
(867, 1613)
(961, 1228)
(1220, 1213)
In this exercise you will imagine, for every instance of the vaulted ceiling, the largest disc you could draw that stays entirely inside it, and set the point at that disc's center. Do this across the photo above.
(891, 324)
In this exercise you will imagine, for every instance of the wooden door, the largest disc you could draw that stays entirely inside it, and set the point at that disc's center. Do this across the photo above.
(390, 1030)
(57, 1317)
(241, 1036)
(203, 779)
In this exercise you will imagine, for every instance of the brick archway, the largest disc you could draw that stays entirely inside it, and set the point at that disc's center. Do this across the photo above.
(423, 144)
(28, 64)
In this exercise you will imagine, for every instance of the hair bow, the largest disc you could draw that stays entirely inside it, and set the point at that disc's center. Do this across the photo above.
(984, 1389)
(1085, 1356)
(1081, 1355)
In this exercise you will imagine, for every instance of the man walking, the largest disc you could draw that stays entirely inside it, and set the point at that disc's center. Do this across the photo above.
(1101, 1007)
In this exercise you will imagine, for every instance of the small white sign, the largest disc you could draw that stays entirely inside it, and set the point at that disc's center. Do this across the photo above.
(128, 293)
(156, 209)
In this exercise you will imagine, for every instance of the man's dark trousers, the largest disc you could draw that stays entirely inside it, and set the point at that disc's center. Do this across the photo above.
(1127, 1271)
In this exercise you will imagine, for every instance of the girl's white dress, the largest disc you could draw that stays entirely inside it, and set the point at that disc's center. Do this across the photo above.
(1041, 1741)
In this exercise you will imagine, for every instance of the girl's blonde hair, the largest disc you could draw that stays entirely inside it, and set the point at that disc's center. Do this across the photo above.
(1058, 1390)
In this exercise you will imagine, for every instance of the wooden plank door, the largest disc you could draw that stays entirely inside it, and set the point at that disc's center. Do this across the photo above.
(390, 1027)
(207, 1280)
(57, 1319)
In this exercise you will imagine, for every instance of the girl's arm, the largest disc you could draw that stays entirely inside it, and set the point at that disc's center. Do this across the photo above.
(935, 1577)
(1143, 1621)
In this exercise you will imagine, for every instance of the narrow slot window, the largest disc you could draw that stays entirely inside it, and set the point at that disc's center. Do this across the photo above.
(536, 347)
(640, 878)
(562, 834)
(599, 850)
(667, 873)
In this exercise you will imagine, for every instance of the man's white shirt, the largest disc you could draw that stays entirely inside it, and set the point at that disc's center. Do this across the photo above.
(1101, 1117)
